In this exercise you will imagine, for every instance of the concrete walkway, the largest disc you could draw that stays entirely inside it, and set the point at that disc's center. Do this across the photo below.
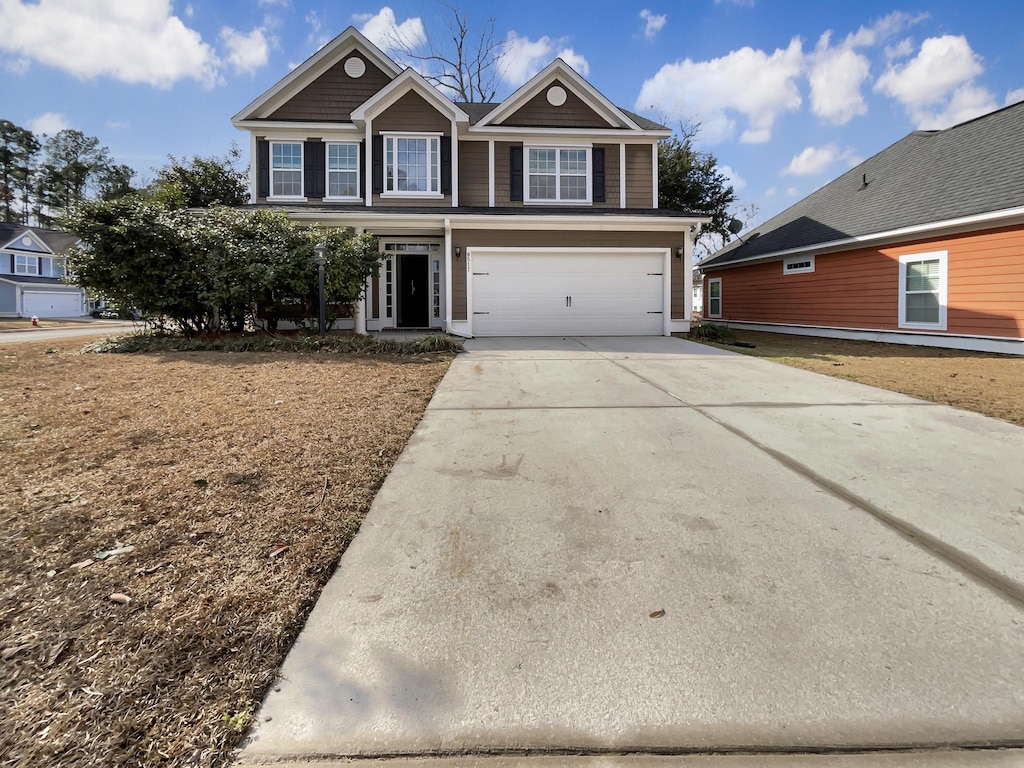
(839, 569)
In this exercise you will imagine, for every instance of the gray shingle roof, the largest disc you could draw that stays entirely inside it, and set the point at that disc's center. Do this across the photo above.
(53, 239)
(477, 111)
(928, 176)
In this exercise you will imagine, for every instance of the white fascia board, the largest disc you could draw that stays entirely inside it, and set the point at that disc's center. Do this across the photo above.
(409, 80)
(519, 133)
(304, 74)
(568, 222)
(308, 128)
(558, 69)
(1004, 218)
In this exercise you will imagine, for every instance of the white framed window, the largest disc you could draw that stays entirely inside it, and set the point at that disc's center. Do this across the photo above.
(343, 171)
(797, 265)
(714, 297)
(26, 265)
(286, 170)
(558, 175)
(922, 302)
(412, 165)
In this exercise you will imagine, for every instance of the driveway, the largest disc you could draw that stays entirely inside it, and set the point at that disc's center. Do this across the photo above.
(647, 546)
(71, 331)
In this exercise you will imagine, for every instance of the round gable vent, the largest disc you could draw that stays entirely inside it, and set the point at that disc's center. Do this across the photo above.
(556, 95)
(355, 67)
(26, 241)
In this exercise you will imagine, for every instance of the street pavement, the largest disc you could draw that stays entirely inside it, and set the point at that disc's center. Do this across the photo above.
(608, 551)
(71, 331)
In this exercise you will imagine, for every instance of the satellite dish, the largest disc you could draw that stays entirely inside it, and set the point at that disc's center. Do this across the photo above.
(735, 226)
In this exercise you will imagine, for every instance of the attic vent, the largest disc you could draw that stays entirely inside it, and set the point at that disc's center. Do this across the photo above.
(355, 67)
(556, 96)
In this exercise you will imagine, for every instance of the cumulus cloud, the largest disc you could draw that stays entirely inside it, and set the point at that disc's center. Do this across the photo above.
(654, 22)
(1012, 97)
(384, 31)
(48, 123)
(937, 85)
(745, 82)
(812, 161)
(524, 58)
(792, 192)
(836, 75)
(245, 52)
(737, 182)
(885, 28)
(137, 42)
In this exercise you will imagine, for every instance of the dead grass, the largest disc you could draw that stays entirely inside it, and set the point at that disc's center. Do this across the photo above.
(236, 479)
(975, 381)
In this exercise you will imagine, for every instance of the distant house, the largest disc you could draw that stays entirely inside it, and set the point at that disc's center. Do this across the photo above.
(921, 244)
(535, 216)
(32, 274)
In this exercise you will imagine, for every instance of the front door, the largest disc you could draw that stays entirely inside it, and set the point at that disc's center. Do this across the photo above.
(414, 291)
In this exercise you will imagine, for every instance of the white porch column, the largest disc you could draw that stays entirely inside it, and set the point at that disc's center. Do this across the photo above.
(360, 318)
(622, 175)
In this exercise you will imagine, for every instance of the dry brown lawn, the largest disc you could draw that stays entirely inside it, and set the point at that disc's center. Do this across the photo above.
(237, 480)
(975, 381)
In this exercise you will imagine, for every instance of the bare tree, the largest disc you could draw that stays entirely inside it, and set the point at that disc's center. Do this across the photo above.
(462, 61)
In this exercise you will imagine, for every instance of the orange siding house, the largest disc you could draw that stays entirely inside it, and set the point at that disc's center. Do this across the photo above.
(921, 244)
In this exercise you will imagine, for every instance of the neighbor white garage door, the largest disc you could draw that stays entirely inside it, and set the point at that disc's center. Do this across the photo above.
(51, 304)
(567, 292)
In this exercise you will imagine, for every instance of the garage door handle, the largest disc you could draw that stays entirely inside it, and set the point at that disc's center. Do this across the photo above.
(481, 273)
(655, 274)
(655, 312)
(568, 301)
(481, 313)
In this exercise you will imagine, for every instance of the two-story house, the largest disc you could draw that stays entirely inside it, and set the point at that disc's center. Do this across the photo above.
(534, 216)
(32, 272)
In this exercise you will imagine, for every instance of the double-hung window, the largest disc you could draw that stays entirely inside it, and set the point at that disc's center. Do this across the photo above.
(558, 175)
(715, 297)
(412, 165)
(26, 265)
(286, 169)
(343, 171)
(922, 301)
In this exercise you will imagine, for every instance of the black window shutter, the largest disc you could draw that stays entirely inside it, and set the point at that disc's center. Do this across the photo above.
(362, 167)
(515, 174)
(598, 174)
(446, 165)
(262, 168)
(314, 165)
(378, 164)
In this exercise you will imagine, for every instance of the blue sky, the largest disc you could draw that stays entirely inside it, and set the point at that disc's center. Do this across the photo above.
(788, 94)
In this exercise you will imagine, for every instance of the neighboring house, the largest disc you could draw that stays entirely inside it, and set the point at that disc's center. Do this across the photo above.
(32, 274)
(534, 216)
(921, 244)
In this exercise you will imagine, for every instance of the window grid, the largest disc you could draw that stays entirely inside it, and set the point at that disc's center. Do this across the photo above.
(922, 291)
(343, 170)
(286, 169)
(388, 296)
(558, 175)
(26, 265)
(412, 164)
(437, 287)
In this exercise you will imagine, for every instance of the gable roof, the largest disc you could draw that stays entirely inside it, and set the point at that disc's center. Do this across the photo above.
(409, 80)
(478, 110)
(559, 70)
(304, 74)
(51, 240)
(925, 178)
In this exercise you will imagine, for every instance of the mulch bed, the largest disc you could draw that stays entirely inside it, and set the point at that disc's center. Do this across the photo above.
(167, 522)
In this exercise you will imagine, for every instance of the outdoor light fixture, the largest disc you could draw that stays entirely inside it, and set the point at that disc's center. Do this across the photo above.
(458, 252)
(320, 259)
(679, 253)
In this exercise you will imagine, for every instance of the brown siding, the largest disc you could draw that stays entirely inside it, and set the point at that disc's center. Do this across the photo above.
(501, 174)
(639, 183)
(565, 239)
(473, 189)
(412, 113)
(611, 176)
(538, 113)
(860, 288)
(333, 95)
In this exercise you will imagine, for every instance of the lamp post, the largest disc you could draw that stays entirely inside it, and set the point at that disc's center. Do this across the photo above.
(320, 258)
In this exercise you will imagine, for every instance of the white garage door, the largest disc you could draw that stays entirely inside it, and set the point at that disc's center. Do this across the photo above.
(570, 292)
(51, 304)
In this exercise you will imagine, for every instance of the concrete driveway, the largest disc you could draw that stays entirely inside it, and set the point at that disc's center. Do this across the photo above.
(630, 547)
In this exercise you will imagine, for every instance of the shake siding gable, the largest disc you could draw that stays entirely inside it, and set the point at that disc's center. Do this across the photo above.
(412, 112)
(333, 95)
(539, 113)
(860, 288)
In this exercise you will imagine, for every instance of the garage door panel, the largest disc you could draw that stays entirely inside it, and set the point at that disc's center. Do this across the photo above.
(553, 294)
(51, 304)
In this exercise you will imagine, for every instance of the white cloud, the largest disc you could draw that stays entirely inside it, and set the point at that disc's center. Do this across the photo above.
(18, 66)
(118, 124)
(771, 192)
(384, 31)
(812, 161)
(836, 76)
(189, 10)
(281, 3)
(49, 123)
(246, 52)
(937, 85)
(884, 28)
(136, 42)
(792, 192)
(655, 22)
(901, 50)
(1012, 97)
(524, 58)
(749, 82)
(738, 182)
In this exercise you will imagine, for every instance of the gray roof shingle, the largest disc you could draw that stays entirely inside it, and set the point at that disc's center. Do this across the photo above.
(477, 111)
(53, 239)
(928, 176)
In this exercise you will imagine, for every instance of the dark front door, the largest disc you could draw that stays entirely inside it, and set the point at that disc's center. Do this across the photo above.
(414, 295)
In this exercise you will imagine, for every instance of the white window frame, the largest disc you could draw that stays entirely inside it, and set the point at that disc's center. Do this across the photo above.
(557, 199)
(433, 167)
(301, 169)
(22, 268)
(328, 171)
(943, 258)
(789, 265)
(715, 281)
